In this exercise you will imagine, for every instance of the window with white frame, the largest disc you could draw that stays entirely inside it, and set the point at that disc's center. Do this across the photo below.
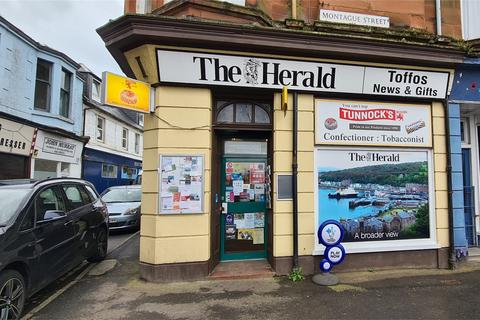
(141, 119)
(100, 129)
(125, 138)
(65, 93)
(137, 143)
(96, 87)
(465, 131)
(43, 83)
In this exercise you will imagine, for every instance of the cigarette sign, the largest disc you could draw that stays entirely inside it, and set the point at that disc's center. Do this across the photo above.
(367, 123)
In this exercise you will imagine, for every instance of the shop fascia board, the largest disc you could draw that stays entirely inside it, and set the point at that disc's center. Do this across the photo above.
(58, 131)
(131, 31)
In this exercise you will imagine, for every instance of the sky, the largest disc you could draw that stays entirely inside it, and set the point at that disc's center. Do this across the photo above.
(67, 26)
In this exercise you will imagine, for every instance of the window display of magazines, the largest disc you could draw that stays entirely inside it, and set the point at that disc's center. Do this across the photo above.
(181, 184)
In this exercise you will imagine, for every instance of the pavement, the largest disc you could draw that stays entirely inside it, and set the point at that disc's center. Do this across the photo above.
(115, 240)
(389, 294)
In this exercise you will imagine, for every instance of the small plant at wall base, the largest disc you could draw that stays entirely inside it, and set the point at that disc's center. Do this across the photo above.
(296, 274)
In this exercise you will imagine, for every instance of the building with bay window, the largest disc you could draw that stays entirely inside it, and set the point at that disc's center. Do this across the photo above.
(235, 170)
(41, 114)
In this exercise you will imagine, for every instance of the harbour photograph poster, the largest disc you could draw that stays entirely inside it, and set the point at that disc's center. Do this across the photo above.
(376, 194)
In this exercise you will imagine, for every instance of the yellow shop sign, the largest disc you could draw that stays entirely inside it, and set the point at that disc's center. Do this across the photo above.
(127, 93)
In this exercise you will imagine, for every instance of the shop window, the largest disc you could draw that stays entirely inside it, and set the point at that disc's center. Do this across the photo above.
(65, 169)
(43, 85)
(129, 173)
(137, 143)
(45, 169)
(242, 113)
(125, 138)
(109, 171)
(100, 129)
(96, 90)
(65, 89)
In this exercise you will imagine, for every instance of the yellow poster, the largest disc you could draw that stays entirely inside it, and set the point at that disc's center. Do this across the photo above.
(125, 92)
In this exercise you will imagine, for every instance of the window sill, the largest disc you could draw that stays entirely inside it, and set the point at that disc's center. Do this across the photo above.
(52, 115)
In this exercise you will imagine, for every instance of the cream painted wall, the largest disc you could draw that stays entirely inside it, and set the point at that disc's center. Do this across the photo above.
(283, 219)
(181, 125)
(440, 169)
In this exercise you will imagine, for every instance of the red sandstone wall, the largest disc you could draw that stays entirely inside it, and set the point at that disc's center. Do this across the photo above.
(403, 13)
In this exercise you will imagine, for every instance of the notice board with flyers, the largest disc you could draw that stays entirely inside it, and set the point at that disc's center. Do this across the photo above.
(181, 184)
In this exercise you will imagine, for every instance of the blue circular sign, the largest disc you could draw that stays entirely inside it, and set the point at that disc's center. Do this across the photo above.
(335, 254)
(330, 233)
(325, 265)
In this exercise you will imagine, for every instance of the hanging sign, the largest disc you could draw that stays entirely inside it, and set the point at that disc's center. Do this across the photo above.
(256, 72)
(126, 93)
(346, 122)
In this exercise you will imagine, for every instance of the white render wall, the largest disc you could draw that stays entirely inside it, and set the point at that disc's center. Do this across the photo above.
(113, 135)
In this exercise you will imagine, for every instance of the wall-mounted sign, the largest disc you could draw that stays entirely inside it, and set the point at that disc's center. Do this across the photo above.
(354, 18)
(181, 184)
(346, 122)
(15, 137)
(122, 92)
(256, 72)
(375, 194)
(57, 148)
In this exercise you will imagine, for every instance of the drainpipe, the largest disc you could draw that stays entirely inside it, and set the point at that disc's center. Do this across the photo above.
(452, 260)
(294, 180)
(438, 16)
(294, 9)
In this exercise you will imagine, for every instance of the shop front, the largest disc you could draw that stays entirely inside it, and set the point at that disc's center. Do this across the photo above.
(56, 156)
(105, 169)
(465, 101)
(232, 171)
(15, 149)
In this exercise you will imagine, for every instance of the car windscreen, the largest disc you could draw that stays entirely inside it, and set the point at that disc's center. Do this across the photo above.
(122, 195)
(11, 200)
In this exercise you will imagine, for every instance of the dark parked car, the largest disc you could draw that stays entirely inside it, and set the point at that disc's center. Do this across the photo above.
(46, 229)
(123, 203)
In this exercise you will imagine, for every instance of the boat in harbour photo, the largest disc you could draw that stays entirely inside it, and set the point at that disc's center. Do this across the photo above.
(343, 193)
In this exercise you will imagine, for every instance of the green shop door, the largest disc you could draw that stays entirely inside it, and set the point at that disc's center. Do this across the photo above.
(243, 229)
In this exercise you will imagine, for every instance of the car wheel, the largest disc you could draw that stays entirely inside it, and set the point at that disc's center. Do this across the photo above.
(101, 246)
(12, 295)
